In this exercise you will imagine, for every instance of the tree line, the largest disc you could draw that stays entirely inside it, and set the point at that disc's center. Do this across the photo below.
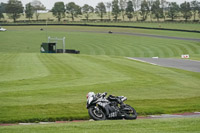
(125, 8)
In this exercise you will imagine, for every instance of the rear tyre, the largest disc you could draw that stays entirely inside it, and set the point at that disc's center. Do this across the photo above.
(96, 113)
(132, 114)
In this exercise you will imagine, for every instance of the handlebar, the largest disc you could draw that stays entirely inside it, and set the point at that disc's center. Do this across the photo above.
(101, 94)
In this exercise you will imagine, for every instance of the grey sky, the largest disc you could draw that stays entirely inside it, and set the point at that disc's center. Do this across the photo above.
(49, 3)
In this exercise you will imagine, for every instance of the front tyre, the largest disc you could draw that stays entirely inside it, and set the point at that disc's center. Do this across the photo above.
(96, 113)
(131, 114)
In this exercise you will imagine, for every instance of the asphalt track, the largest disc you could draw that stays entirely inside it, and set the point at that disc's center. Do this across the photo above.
(158, 36)
(146, 35)
(185, 64)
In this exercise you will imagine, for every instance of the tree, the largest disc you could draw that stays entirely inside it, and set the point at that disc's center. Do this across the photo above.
(108, 6)
(186, 10)
(37, 5)
(156, 10)
(115, 9)
(1, 15)
(86, 9)
(134, 2)
(144, 10)
(100, 9)
(136, 5)
(73, 9)
(164, 5)
(199, 10)
(195, 7)
(2, 9)
(59, 10)
(13, 9)
(173, 10)
(129, 10)
(29, 11)
(150, 4)
(123, 5)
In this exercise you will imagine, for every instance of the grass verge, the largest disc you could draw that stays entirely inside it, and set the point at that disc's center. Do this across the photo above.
(50, 87)
(178, 125)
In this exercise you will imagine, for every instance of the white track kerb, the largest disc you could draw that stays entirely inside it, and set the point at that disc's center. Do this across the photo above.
(184, 64)
(142, 61)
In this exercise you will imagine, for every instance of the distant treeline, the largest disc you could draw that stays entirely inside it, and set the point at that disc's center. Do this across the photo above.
(110, 11)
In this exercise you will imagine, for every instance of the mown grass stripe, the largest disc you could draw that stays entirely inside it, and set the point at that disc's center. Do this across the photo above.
(67, 78)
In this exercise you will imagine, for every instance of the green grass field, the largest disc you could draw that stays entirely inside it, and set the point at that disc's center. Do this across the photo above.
(179, 125)
(85, 39)
(48, 87)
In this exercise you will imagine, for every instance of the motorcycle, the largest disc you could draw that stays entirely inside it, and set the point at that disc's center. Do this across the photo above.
(113, 107)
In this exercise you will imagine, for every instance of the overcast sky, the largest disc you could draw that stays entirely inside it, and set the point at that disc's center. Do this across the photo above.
(50, 3)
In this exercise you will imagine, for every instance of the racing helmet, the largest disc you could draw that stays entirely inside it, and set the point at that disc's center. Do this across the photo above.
(90, 94)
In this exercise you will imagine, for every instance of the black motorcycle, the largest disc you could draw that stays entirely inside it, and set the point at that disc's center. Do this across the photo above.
(102, 108)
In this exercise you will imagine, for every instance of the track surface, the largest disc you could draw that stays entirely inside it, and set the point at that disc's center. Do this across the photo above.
(158, 36)
(184, 64)
(147, 35)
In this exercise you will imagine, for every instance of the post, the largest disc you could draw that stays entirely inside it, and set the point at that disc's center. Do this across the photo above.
(49, 39)
(46, 30)
(63, 44)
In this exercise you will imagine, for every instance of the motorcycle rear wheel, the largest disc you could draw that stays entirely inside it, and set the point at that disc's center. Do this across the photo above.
(96, 113)
(131, 115)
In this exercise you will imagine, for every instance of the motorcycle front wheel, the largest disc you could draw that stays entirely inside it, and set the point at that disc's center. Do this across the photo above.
(132, 114)
(96, 113)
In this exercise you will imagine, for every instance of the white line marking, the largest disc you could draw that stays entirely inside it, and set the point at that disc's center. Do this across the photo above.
(142, 61)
